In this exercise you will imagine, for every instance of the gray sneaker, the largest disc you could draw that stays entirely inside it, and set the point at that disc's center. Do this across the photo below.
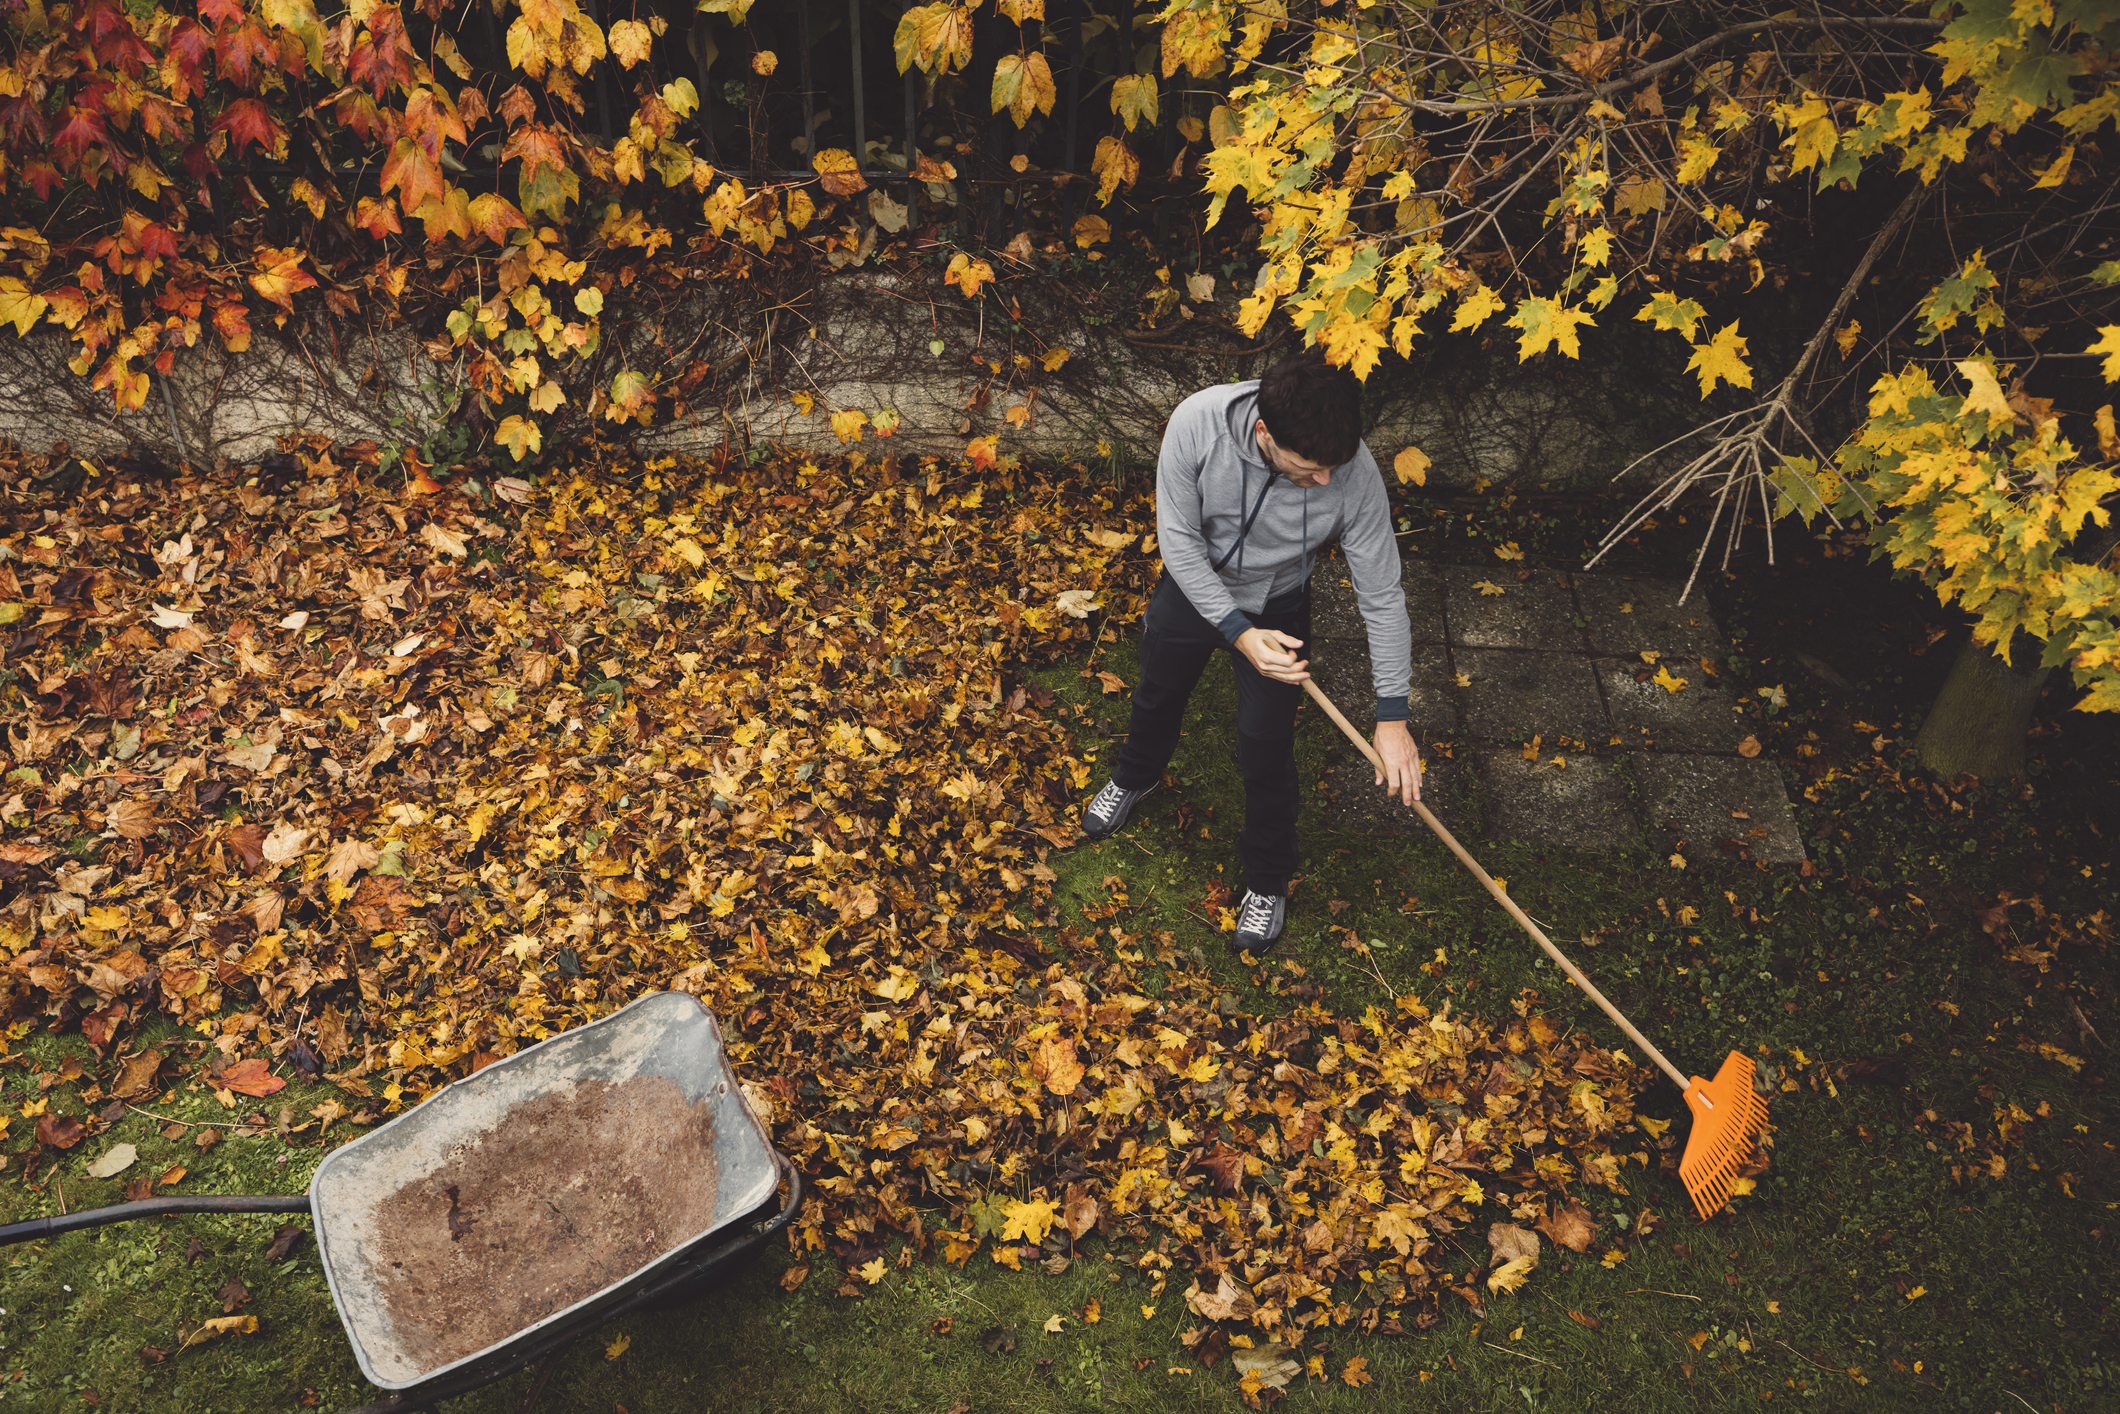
(1108, 811)
(1260, 922)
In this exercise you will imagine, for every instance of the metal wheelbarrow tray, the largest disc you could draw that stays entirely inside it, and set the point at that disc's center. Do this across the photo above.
(611, 1169)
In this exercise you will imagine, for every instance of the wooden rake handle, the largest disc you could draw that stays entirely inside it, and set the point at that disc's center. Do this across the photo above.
(1472, 865)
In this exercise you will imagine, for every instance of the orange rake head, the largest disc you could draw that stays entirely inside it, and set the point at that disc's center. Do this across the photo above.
(1728, 1119)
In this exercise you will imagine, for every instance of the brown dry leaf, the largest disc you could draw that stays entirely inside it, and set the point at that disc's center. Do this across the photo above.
(1509, 1242)
(137, 1076)
(132, 819)
(60, 1131)
(1569, 1226)
(626, 753)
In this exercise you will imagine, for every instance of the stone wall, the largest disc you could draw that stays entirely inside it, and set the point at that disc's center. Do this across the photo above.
(861, 338)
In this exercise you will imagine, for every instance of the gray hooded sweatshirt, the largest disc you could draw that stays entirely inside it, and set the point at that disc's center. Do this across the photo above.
(1211, 474)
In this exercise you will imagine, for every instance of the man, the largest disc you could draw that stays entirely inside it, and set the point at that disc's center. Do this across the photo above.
(1254, 478)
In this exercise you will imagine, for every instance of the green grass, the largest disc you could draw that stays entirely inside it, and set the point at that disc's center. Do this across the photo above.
(1803, 1293)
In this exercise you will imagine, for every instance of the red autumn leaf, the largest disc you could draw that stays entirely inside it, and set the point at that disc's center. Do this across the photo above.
(220, 13)
(417, 176)
(248, 121)
(361, 113)
(243, 52)
(232, 321)
(383, 56)
(280, 275)
(43, 176)
(81, 131)
(538, 146)
(22, 122)
(252, 1077)
(115, 41)
(378, 216)
(188, 48)
(431, 120)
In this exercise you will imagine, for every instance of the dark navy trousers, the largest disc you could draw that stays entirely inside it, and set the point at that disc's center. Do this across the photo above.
(1176, 644)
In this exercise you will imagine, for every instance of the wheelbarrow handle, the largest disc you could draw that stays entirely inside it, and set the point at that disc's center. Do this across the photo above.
(37, 1228)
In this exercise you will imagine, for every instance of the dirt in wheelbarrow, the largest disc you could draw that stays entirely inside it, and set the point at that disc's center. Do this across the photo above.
(575, 1190)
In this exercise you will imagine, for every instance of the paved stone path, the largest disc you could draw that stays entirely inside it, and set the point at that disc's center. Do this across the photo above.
(1560, 657)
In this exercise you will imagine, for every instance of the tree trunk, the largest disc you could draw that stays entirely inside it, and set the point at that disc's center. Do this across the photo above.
(1978, 723)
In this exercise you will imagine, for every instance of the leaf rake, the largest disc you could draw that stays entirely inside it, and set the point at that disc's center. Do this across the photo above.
(1728, 1114)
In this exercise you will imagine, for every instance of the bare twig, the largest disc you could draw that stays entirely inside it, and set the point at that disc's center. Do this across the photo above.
(1744, 456)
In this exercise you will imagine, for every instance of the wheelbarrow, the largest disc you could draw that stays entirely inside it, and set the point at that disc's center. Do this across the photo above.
(613, 1169)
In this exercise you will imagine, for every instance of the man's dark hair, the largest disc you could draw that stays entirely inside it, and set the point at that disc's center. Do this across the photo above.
(1313, 409)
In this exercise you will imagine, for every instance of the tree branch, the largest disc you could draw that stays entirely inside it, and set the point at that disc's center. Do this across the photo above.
(1848, 291)
(1663, 66)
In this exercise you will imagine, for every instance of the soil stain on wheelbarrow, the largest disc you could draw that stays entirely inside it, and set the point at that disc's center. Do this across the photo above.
(574, 1190)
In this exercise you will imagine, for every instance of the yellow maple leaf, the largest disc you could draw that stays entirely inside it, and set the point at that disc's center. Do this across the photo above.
(1022, 84)
(1411, 467)
(1354, 344)
(618, 1344)
(1114, 166)
(1134, 98)
(968, 274)
(519, 435)
(1656, 1127)
(2109, 345)
(1475, 309)
(1511, 1275)
(804, 402)
(1488, 589)
(19, 306)
(630, 42)
(1028, 1222)
(1696, 158)
(872, 1272)
(1357, 1372)
(1054, 356)
(1547, 323)
(2056, 171)
(1055, 1323)
(1668, 683)
(1613, 1258)
(1721, 359)
(847, 424)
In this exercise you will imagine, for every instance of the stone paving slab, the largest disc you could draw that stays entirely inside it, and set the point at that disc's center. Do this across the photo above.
(1723, 803)
(1355, 804)
(1334, 613)
(1627, 615)
(1535, 612)
(1586, 804)
(1512, 696)
(1342, 671)
(1695, 718)
(1559, 656)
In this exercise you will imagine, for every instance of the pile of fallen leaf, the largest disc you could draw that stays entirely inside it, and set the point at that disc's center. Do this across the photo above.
(1275, 1160)
(381, 784)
